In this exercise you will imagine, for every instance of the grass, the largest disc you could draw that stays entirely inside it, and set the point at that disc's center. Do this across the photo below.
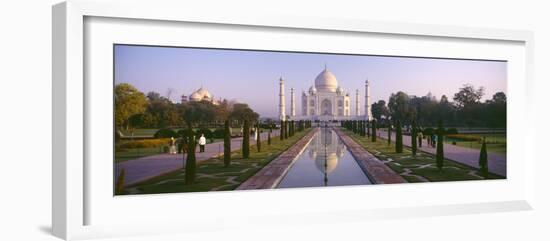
(496, 143)
(134, 153)
(211, 173)
(421, 168)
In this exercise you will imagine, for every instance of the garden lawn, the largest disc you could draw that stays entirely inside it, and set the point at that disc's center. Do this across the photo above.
(421, 168)
(211, 173)
(496, 143)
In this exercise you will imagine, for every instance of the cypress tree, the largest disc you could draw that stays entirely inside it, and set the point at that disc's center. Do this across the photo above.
(413, 138)
(368, 128)
(389, 133)
(119, 186)
(483, 165)
(286, 129)
(373, 131)
(269, 136)
(398, 138)
(281, 131)
(258, 139)
(190, 164)
(246, 139)
(226, 144)
(439, 152)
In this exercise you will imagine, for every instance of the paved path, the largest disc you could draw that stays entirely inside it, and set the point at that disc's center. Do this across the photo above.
(145, 168)
(464, 155)
(375, 169)
(270, 175)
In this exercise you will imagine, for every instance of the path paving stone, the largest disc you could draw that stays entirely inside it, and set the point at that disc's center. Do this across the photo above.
(145, 168)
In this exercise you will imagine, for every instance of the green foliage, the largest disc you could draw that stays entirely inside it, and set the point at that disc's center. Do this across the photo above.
(451, 131)
(226, 145)
(282, 131)
(483, 165)
(218, 133)
(165, 133)
(246, 139)
(439, 151)
(389, 134)
(269, 137)
(128, 101)
(146, 143)
(398, 138)
(373, 131)
(208, 134)
(119, 186)
(258, 139)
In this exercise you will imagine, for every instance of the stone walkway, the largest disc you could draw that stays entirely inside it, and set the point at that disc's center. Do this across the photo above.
(464, 155)
(375, 169)
(145, 168)
(270, 176)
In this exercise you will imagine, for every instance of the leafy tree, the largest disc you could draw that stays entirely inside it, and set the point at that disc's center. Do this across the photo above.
(483, 165)
(398, 138)
(468, 95)
(128, 101)
(439, 152)
(399, 106)
(379, 109)
(413, 138)
(226, 144)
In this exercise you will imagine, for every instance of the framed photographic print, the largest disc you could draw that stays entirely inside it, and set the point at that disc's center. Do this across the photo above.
(173, 113)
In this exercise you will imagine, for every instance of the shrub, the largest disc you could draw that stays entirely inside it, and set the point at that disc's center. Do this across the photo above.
(465, 137)
(208, 134)
(218, 133)
(451, 131)
(428, 131)
(165, 133)
(147, 143)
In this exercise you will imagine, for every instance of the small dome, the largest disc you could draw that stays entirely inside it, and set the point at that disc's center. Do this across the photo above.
(195, 96)
(312, 90)
(326, 81)
(339, 90)
(204, 93)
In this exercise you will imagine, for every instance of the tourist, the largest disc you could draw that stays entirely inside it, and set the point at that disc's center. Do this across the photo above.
(173, 146)
(202, 142)
(434, 140)
(420, 139)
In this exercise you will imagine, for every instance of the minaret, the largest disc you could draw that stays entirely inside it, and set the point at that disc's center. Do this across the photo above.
(281, 99)
(357, 102)
(292, 107)
(368, 115)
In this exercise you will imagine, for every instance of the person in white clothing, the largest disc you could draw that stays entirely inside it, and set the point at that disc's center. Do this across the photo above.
(202, 143)
(173, 146)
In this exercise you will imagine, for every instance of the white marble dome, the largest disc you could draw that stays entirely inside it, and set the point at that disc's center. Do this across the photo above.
(326, 81)
(200, 94)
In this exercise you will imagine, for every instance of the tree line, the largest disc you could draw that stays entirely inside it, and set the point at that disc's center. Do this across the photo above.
(465, 110)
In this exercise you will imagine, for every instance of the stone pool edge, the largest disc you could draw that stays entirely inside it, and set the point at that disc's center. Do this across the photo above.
(376, 170)
(271, 174)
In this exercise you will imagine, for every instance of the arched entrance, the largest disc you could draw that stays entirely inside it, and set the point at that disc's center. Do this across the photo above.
(326, 107)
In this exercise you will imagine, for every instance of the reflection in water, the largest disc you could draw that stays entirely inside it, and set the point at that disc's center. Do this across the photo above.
(325, 162)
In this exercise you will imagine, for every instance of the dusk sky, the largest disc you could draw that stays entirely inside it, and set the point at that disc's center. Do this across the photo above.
(252, 76)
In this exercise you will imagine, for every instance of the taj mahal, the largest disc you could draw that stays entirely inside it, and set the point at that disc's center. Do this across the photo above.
(325, 101)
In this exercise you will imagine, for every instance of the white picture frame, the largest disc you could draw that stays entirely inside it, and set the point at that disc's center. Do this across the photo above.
(72, 192)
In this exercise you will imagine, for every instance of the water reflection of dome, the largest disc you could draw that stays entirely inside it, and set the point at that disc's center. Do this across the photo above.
(332, 162)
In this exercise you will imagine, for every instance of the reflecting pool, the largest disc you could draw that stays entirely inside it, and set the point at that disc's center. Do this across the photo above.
(324, 162)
